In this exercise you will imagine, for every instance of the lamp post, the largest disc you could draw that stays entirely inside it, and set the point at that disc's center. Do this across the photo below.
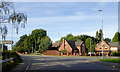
(102, 34)
(90, 47)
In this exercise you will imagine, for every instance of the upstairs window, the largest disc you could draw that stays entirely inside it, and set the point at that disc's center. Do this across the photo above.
(105, 47)
(65, 43)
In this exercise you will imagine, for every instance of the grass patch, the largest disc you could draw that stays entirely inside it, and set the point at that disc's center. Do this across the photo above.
(111, 60)
(35, 54)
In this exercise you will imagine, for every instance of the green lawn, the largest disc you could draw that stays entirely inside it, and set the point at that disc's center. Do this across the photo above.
(111, 60)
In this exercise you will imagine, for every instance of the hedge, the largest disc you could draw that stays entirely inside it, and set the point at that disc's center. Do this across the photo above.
(115, 53)
(6, 66)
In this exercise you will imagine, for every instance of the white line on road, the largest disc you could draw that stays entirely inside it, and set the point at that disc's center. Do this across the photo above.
(27, 67)
(65, 65)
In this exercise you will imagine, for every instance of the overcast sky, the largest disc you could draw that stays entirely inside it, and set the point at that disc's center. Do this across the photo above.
(67, 17)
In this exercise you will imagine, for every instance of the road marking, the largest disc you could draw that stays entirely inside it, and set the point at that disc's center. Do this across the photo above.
(27, 68)
(66, 65)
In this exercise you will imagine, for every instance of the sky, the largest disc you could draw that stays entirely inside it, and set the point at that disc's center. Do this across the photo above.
(62, 18)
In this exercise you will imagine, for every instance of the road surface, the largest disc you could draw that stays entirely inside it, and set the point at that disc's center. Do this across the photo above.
(37, 62)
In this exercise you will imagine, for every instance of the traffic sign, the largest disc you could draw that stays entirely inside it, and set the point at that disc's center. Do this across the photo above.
(6, 42)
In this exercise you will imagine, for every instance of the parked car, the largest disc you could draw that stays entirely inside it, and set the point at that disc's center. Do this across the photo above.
(92, 53)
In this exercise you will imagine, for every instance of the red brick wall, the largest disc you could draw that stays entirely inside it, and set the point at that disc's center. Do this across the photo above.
(67, 46)
(51, 52)
(100, 46)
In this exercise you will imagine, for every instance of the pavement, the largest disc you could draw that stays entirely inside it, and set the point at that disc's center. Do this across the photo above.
(40, 62)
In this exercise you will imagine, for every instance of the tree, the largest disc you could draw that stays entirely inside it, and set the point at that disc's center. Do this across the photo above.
(44, 44)
(21, 40)
(100, 35)
(37, 34)
(9, 15)
(61, 40)
(20, 45)
(93, 44)
(116, 37)
(70, 37)
(96, 34)
(77, 38)
(107, 40)
(29, 44)
(36, 41)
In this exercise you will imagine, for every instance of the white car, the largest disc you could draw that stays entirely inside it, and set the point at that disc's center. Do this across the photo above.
(92, 53)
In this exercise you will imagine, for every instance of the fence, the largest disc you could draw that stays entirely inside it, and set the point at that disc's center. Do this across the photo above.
(6, 60)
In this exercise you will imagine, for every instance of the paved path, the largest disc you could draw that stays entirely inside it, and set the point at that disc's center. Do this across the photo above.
(62, 63)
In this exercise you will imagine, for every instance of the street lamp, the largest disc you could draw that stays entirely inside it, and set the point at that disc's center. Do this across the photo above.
(102, 34)
(90, 47)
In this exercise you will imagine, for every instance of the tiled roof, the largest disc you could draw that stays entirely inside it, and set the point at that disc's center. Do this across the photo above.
(57, 44)
(78, 43)
(73, 44)
(113, 44)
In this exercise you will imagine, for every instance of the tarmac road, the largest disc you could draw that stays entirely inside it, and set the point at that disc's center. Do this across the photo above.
(37, 62)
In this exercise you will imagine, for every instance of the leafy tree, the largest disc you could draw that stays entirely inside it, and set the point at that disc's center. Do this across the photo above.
(84, 37)
(93, 44)
(37, 34)
(9, 15)
(100, 35)
(44, 44)
(70, 37)
(116, 37)
(77, 38)
(107, 40)
(61, 40)
(20, 45)
(96, 34)
(21, 41)
(29, 44)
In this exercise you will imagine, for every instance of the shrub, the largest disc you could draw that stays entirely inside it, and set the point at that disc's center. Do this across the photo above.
(64, 51)
(6, 66)
(115, 53)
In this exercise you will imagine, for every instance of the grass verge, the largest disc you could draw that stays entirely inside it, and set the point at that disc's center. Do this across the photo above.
(116, 60)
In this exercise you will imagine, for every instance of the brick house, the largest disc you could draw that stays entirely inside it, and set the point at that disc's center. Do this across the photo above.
(53, 50)
(109, 46)
(57, 44)
(73, 48)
